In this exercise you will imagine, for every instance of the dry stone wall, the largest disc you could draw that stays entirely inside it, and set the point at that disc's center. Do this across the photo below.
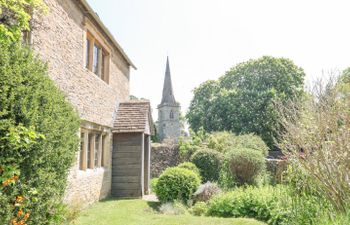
(163, 155)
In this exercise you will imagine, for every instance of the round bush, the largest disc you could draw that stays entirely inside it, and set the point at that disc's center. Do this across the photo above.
(209, 163)
(32, 107)
(176, 184)
(246, 165)
(189, 166)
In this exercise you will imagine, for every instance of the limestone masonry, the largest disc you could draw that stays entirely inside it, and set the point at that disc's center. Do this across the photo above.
(93, 71)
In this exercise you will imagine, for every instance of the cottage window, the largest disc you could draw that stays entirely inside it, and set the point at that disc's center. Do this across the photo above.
(96, 65)
(97, 58)
(93, 147)
(97, 150)
(103, 155)
(89, 151)
(82, 151)
(27, 37)
(87, 59)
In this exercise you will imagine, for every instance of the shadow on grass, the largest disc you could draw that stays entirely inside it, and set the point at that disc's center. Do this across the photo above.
(154, 205)
(110, 199)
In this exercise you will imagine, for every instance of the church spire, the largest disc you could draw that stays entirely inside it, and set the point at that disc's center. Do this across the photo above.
(168, 93)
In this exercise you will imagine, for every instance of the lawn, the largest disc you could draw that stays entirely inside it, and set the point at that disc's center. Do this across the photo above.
(139, 212)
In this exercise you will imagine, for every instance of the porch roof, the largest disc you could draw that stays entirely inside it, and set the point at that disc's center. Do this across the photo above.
(134, 117)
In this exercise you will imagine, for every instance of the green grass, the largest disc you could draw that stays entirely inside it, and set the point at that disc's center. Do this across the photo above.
(139, 212)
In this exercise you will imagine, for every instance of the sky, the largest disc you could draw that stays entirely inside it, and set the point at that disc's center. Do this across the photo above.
(205, 38)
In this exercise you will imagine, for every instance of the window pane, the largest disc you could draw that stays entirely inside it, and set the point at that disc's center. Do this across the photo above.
(96, 59)
(97, 149)
(103, 150)
(81, 163)
(87, 60)
(103, 64)
(89, 151)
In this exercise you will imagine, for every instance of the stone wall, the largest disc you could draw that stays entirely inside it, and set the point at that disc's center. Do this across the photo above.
(163, 155)
(59, 38)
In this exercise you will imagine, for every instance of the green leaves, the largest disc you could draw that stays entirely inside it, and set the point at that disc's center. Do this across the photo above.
(176, 184)
(38, 132)
(242, 101)
(15, 18)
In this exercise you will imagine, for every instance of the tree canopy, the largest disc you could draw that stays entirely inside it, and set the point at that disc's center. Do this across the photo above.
(242, 101)
(15, 18)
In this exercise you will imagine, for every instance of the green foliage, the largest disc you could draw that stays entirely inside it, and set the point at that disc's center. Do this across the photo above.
(190, 145)
(345, 76)
(154, 182)
(246, 165)
(199, 209)
(177, 184)
(268, 204)
(189, 166)
(201, 105)
(308, 204)
(322, 130)
(15, 18)
(209, 163)
(242, 101)
(224, 141)
(38, 133)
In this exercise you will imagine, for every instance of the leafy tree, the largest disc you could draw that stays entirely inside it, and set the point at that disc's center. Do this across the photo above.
(38, 137)
(200, 106)
(242, 101)
(15, 18)
(345, 76)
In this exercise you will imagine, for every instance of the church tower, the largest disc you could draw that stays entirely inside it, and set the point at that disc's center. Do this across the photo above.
(169, 126)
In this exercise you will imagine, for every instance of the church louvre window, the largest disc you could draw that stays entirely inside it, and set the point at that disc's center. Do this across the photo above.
(97, 58)
(171, 114)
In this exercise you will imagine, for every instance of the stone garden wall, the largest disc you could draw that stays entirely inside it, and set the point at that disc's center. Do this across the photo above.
(163, 155)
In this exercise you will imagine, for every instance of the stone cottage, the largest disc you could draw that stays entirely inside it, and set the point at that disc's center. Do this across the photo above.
(91, 68)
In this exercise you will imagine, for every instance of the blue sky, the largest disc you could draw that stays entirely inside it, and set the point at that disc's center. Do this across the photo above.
(205, 38)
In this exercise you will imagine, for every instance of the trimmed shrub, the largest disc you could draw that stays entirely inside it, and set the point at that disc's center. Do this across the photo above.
(154, 182)
(38, 135)
(189, 166)
(246, 165)
(177, 184)
(199, 209)
(206, 191)
(209, 163)
(225, 141)
(266, 204)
